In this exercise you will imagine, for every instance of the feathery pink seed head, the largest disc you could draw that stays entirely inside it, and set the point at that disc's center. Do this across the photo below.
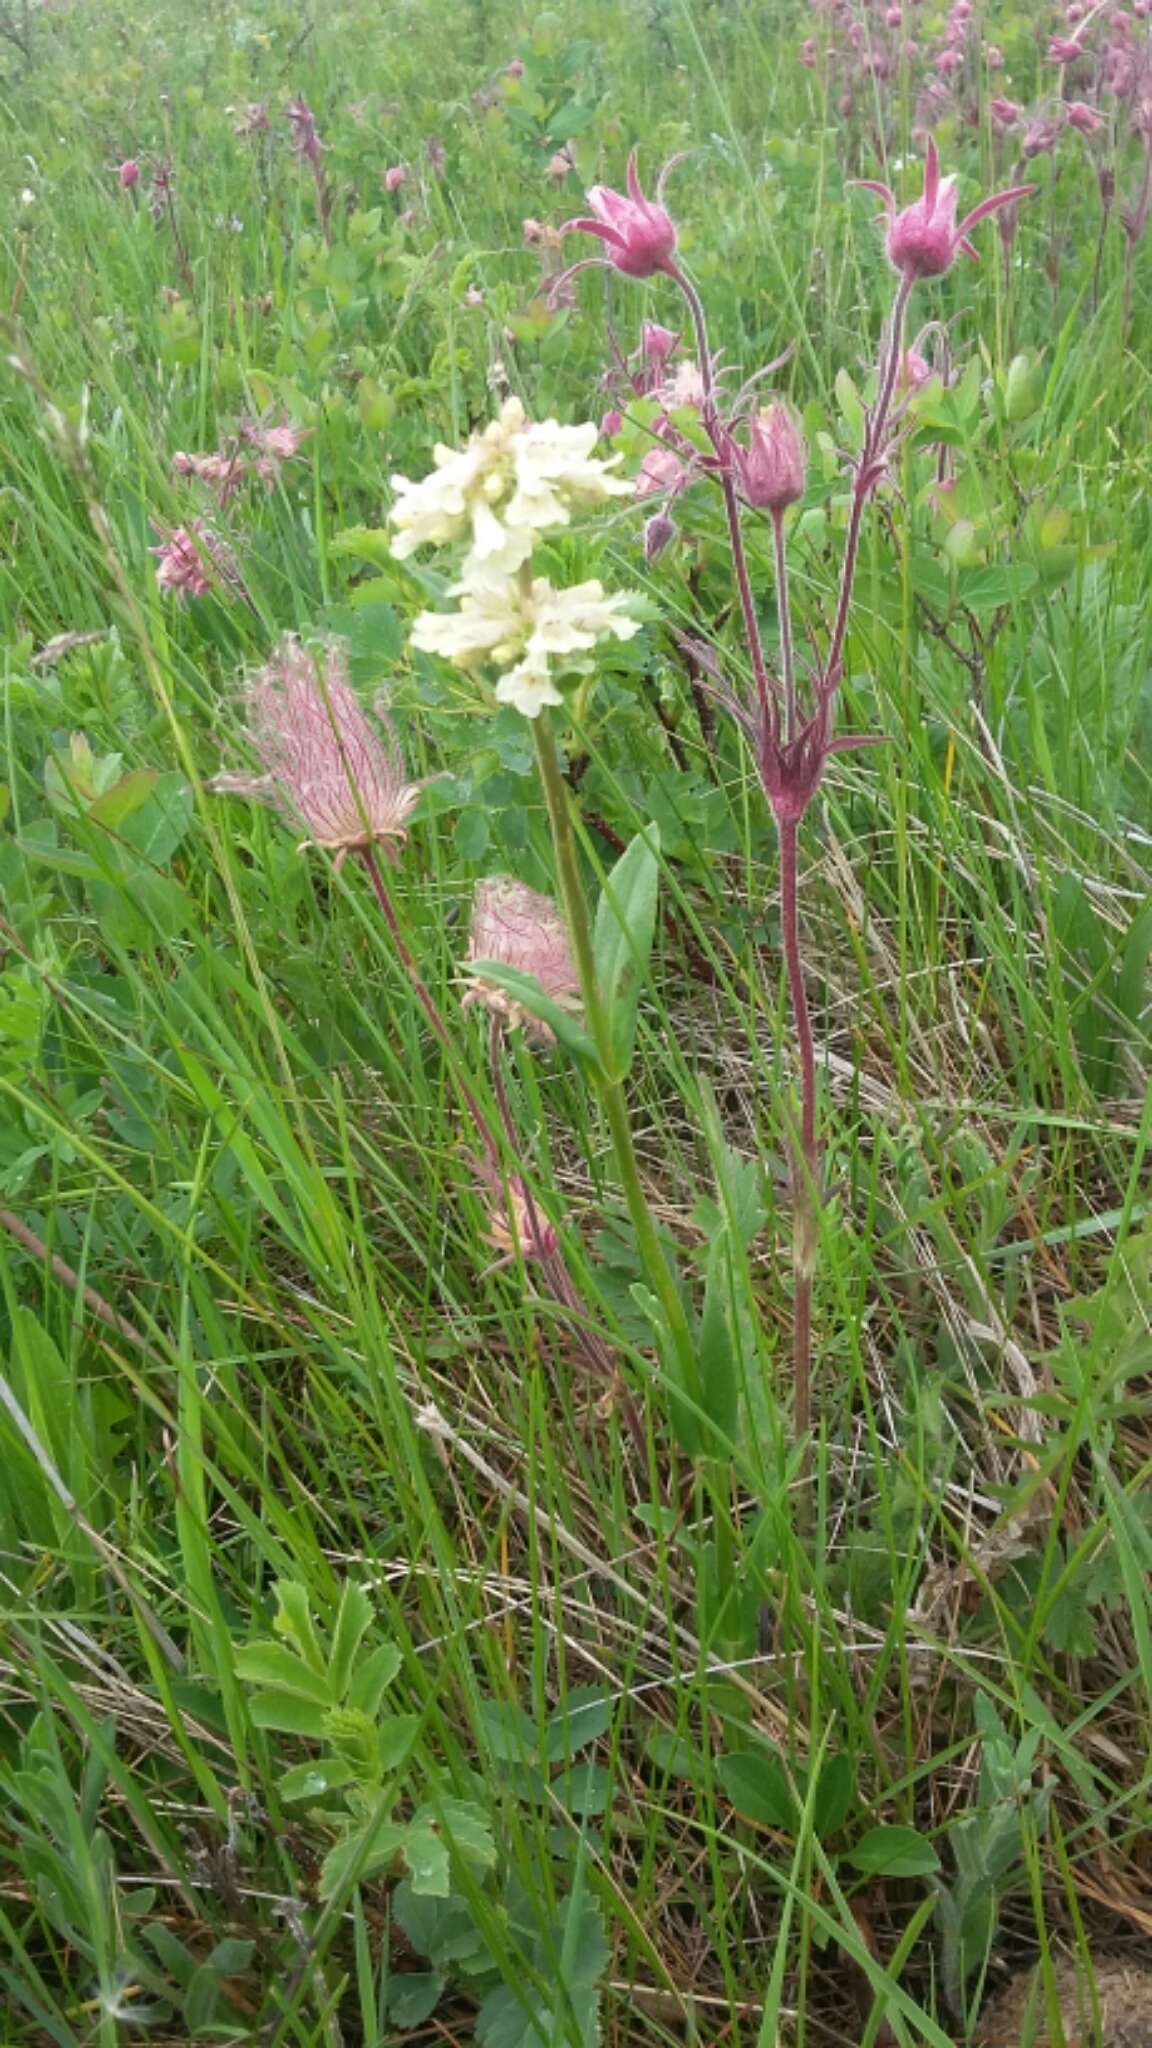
(323, 763)
(519, 928)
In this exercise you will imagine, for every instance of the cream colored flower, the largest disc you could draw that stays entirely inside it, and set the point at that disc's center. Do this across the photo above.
(534, 633)
(512, 481)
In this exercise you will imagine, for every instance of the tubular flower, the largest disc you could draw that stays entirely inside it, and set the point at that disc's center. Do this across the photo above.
(514, 480)
(924, 239)
(638, 233)
(324, 763)
(532, 634)
(515, 926)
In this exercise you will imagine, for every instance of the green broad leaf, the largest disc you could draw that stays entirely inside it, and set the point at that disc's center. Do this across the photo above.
(622, 943)
(201, 2000)
(118, 803)
(396, 1740)
(158, 827)
(758, 1788)
(293, 1618)
(429, 1865)
(851, 405)
(441, 1929)
(472, 834)
(371, 1679)
(230, 1956)
(413, 1996)
(986, 589)
(463, 1826)
(275, 1666)
(353, 1619)
(570, 1960)
(529, 994)
(288, 1714)
(585, 1790)
(315, 1780)
(894, 1852)
(834, 1797)
(362, 1854)
(585, 1716)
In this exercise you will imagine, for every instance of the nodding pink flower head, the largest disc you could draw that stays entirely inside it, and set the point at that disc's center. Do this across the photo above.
(810, 53)
(611, 423)
(323, 763)
(661, 470)
(994, 56)
(638, 233)
(1004, 113)
(915, 371)
(305, 140)
(1064, 50)
(514, 926)
(893, 16)
(192, 561)
(925, 238)
(128, 174)
(657, 343)
(515, 69)
(1084, 118)
(394, 177)
(771, 470)
(1043, 131)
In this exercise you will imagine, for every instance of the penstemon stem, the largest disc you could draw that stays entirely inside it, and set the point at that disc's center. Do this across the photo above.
(611, 1093)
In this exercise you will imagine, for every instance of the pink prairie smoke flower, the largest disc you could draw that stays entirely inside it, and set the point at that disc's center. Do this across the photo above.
(770, 472)
(515, 69)
(1003, 113)
(192, 561)
(514, 926)
(1084, 118)
(323, 763)
(1064, 50)
(661, 470)
(559, 165)
(637, 232)
(305, 140)
(915, 371)
(611, 423)
(925, 238)
(809, 53)
(128, 174)
(394, 177)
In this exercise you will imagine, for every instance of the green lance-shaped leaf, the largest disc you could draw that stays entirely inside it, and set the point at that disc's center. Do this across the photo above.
(622, 944)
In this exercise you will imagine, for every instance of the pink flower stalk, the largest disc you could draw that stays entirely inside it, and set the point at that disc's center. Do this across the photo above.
(128, 174)
(323, 763)
(638, 233)
(394, 177)
(770, 472)
(192, 561)
(514, 926)
(924, 239)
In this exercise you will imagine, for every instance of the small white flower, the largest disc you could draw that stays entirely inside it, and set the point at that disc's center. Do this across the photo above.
(528, 686)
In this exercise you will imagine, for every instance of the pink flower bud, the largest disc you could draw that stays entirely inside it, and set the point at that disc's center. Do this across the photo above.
(993, 57)
(473, 297)
(128, 174)
(949, 61)
(1084, 118)
(810, 53)
(894, 16)
(611, 423)
(1064, 50)
(515, 69)
(656, 342)
(770, 472)
(659, 533)
(915, 371)
(1004, 113)
(394, 177)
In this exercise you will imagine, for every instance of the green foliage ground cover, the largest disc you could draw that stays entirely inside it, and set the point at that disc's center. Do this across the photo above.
(363, 1676)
